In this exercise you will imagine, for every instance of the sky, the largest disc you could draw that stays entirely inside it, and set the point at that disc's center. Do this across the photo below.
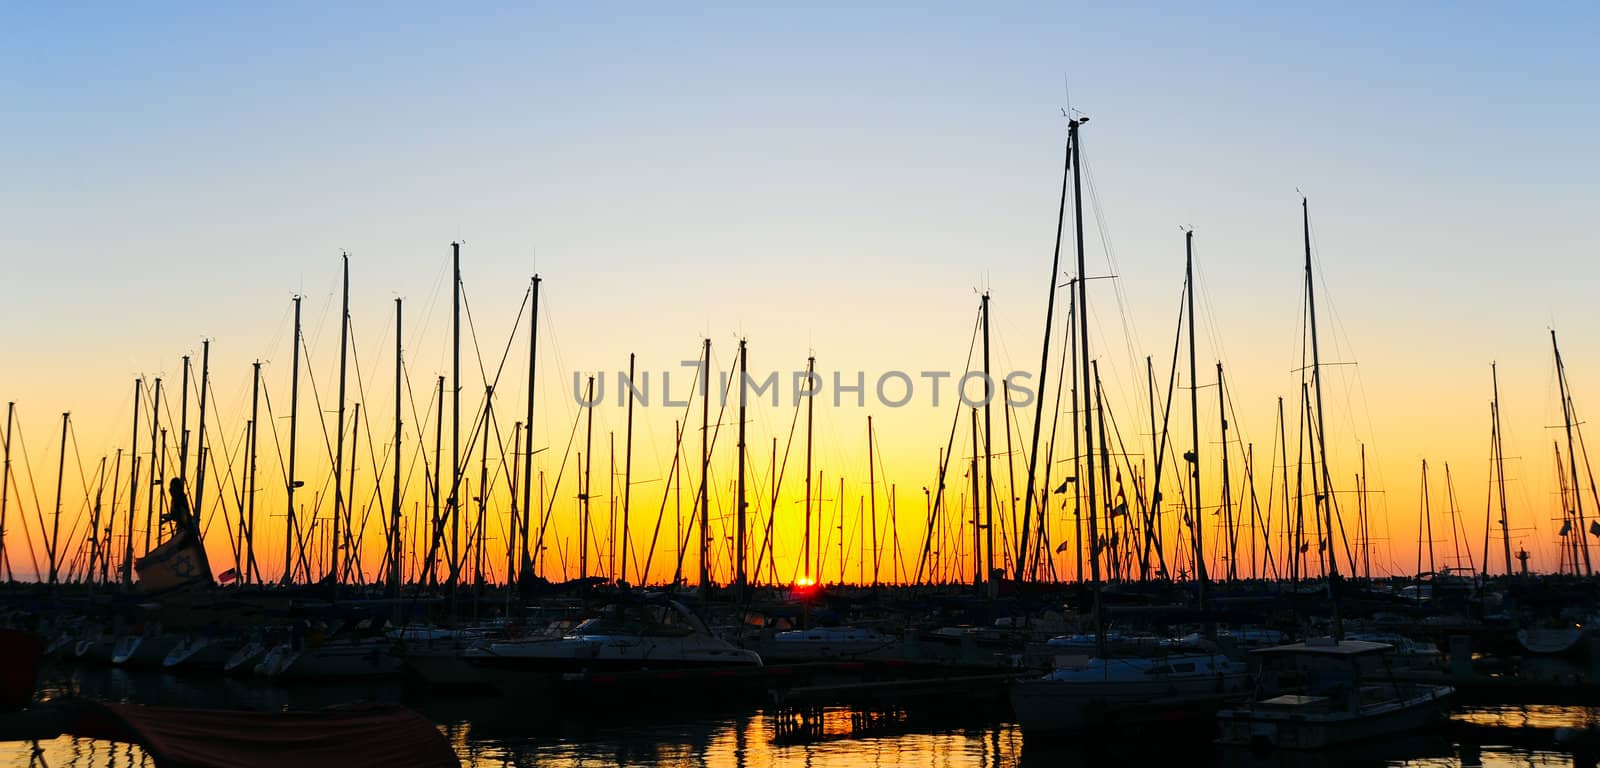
(828, 180)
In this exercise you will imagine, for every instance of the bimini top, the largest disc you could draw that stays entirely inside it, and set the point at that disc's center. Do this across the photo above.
(1328, 647)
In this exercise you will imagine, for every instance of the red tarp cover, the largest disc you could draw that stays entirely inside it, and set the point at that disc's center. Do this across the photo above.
(208, 738)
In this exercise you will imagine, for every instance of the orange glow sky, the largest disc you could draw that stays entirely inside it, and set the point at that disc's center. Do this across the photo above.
(842, 185)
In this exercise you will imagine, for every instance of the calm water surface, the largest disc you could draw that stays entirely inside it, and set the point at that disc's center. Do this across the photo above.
(485, 733)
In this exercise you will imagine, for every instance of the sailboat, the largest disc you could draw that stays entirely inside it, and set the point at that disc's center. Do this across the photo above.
(1082, 692)
(628, 636)
(1328, 691)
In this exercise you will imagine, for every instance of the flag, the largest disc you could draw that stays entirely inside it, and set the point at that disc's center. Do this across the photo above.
(181, 560)
(1062, 547)
(1566, 527)
(1594, 528)
(228, 577)
(176, 563)
(1121, 507)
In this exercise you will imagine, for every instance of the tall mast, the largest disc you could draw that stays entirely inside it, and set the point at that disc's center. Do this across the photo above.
(183, 430)
(94, 524)
(1071, 170)
(158, 458)
(872, 490)
(739, 518)
(811, 401)
(338, 451)
(255, 434)
(977, 508)
(1425, 528)
(1197, 527)
(455, 427)
(527, 436)
(588, 485)
(55, 526)
(988, 454)
(435, 517)
(483, 501)
(705, 468)
(200, 429)
(1231, 535)
(133, 477)
(1500, 473)
(340, 566)
(395, 540)
(1366, 531)
(627, 477)
(514, 527)
(1322, 435)
(1153, 513)
(294, 424)
(1290, 531)
(5, 472)
(1572, 457)
(152, 523)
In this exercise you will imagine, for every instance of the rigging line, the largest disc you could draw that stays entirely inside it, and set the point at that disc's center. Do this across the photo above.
(27, 465)
(78, 520)
(1130, 332)
(228, 477)
(938, 492)
(495, 384)
(283, 467)
(550, 501)
(677, 453)
(691, 527)
(220, 507)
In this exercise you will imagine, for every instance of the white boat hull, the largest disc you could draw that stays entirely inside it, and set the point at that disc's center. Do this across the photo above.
(1055, 705)
(1247, 726)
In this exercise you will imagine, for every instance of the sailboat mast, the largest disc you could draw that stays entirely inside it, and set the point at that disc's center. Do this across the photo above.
(872, 490)
(453, 501)
(340, 566)
(395, 540)
(294, 423)
(988, 454)
(200, 430)
(977, 508)
(1231, 535)
(705, 469)
(1316, 380)
(483, 502)
(338, 451)
(55, 526)
(183, 431)
(5, 471)
(94, 524)
(739, 518)
(133, 477)
(588, 484)
(527, 436)
(1197, 525)
(1069, 172)
(1500, 471)
(627, 476)
(1366, 530)
(252, 572)
(158, 458)
(811, 403)
(1572, 457)
(435, 518)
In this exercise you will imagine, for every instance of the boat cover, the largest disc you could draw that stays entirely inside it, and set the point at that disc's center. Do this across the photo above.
(175, 737)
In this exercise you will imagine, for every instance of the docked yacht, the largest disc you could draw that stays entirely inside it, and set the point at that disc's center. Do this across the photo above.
(1324, 692)
(1095, 690)
(333, 660)
(661, 635)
